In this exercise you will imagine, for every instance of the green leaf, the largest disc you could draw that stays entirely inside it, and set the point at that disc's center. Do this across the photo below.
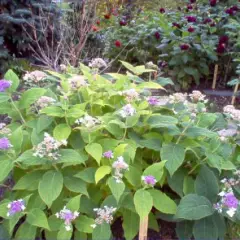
(50, 186)
(26, 232)
(206, 184)
(102, 172)
(29, 181)
(206, 120)
(205, 229)
(188, 185)
(43, 123)
(76, 185)
(74, 203)
(71, 157)
(62, 132)
(158, 121)
(130, 224)
(174, 154)
(37, 217)
(95, 150)
(102, 232)
(31, 96)
(11, 76)
(83, 224)
(199, 132)
(4, 97)
(87, 175)
(184, 230)
(28, 159)
(133, 175)
(162, 202)
(156, 170)
(53, 111)
(63, 234)
(152, 85)
(16, 139)
(116, 188)
(6, 168)
(194, 207)
(143, 202)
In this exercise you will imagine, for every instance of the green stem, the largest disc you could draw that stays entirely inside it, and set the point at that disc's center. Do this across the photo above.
(182, 134)
(16, 108)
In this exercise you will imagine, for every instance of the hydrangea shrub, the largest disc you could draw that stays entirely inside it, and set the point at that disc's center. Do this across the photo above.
(107, 149)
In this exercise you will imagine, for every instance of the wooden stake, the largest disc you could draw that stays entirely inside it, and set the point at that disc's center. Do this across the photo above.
(215, 77)
(143, 231)
(234, 94)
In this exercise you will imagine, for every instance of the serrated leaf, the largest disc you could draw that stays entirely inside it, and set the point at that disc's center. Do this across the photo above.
(102, 232)
(83, 224)
(194, 207)
(143, 202)
(156, 170)
(61, 132)
(117, 188)
(37, 217)
(174, 154)
(50, 186)
(130, 224)
(95, 150)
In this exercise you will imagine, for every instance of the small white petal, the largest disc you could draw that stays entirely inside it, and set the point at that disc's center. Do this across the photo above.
(231, 212)
(8, 214)
(221, 194)
(9, 205)
(23, 207)
(68, 228)
(57, 215)
(93, 225)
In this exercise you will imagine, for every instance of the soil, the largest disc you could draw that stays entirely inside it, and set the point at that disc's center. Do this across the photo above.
(166, 232)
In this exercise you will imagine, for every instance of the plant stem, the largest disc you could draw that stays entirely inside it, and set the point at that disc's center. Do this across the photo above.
(16, 108)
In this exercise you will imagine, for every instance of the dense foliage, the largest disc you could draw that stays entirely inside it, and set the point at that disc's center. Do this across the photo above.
(99, 147)
(186, 43)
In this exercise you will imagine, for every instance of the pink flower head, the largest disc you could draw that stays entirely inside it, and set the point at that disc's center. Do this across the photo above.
(4, 143)
(4, 84)
(149, 180)
(189, 7)
(184, 47)
(213, 3)
(15, 207)
(191, 29)
(192, 1)
(174, 24)
(207, 20)
(162, 10)
(191, 19)
(157, 35)
(118, 43)
(108, 154)
(230, 200)
(123, 23)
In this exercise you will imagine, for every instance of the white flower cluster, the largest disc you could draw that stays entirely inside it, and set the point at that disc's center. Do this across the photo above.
(131, 95)
(232, 111)
(197, 96)
(34, 77)
(4, 130)
(44, 101)
(63, 67)
(88, 121)
(193, 109)
(104, 215)
(127, 111)
(49, 148)
(178, 98)
(77, 81)
(98, 63)
(119, 167)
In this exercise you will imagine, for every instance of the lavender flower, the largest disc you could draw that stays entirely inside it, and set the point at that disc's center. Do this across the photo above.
(149, 180)
(153, 101)
(68, 216)
(119, 165)
(127, 111)
(4, 84)
(104, 214)
(230, 200)
(5, 143)
(108, 154)
(15, 207)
